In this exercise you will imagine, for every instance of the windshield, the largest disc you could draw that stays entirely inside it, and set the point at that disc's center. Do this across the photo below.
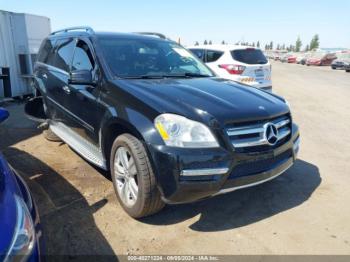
(142, 58)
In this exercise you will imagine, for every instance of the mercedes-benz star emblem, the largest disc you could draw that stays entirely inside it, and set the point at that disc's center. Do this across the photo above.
(271, 133)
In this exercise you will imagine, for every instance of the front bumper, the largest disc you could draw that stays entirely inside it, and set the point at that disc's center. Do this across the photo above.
(187, 175)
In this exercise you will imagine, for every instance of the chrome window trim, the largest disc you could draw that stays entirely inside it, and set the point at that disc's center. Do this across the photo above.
(59, 70)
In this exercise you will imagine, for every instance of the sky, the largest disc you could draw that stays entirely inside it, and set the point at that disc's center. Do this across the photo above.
(195, 20)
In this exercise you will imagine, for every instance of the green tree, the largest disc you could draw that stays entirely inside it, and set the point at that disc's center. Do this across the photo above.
(307, 48)
(298, 45)
(258, 44)
(278, 47)
(205, 42)
(210, 43)
(315, 42)
(223, 42)
(253, 44)
(196, 43)
(271, 45)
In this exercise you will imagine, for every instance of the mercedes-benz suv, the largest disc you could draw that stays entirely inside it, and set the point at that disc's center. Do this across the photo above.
(168, 129)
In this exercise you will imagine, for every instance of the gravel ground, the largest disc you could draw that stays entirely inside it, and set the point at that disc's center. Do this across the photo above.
(304, 211)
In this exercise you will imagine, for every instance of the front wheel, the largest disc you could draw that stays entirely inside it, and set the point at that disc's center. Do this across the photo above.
(133, 178)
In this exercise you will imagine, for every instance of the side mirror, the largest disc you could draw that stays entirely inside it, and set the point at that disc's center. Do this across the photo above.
(81, 77)
(4, 114)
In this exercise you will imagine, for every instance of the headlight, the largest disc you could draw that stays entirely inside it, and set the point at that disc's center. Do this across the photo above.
(24, 237)
(178, 131)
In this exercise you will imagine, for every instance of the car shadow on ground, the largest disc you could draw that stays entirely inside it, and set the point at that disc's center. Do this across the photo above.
(246, 206)
(59, 203)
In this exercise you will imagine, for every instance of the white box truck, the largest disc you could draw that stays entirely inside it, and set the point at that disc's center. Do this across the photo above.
(20, 39)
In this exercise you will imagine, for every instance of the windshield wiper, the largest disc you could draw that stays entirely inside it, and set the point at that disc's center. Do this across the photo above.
(166, 76)
(144, 77)
(188, 74)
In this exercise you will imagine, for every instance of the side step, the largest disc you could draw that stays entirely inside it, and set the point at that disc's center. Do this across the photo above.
(87, 150)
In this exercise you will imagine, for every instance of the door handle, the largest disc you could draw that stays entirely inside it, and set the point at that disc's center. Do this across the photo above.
(66, 89)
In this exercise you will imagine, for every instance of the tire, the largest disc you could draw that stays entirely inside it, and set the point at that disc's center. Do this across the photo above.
(333, 67)
(51, 136)
(347, 70)
(139, 171)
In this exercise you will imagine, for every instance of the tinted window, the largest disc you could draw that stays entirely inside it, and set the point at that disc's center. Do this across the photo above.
(249, 56)
(82, 57)
(64, 54)
(199, 53)
(138, 57)
(45, 49)
(212, 55)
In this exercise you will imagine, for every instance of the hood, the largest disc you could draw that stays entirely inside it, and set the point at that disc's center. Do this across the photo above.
(206, 99)
(8, 213)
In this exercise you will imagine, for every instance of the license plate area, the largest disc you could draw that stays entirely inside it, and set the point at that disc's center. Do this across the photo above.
(259, 73)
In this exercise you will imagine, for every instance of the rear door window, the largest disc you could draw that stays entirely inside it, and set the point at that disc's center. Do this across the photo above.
(213, 55)
(249, 56)
(64, 54)
(198, 53)
(45, 49)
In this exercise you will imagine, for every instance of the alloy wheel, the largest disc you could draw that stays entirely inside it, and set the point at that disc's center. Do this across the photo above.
(126, 176)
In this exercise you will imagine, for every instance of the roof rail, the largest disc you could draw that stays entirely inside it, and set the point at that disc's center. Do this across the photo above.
(82, 28)
(152, 34)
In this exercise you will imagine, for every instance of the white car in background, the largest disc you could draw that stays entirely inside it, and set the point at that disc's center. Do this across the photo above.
(243, 64)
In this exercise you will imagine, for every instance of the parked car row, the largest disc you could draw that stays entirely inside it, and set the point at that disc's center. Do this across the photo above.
(337, 60)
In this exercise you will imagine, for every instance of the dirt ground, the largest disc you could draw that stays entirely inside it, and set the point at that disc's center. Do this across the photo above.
(304, 211)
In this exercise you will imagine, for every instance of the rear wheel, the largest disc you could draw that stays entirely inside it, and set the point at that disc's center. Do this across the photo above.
(133, 178)
(347, 70)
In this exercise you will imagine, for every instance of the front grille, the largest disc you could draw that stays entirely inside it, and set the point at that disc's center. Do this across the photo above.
(251, 136)
(256, 167)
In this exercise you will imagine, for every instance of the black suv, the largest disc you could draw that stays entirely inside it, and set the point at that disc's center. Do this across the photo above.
(166, 127)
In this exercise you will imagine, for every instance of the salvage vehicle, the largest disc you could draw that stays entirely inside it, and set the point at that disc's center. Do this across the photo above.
(289, 58)
(19, 220)
(343, 60)
(347, 68)
(168, 129)
(320, 58)
(244, 64)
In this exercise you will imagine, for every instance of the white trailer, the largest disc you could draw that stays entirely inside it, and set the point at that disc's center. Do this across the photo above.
(20, 39)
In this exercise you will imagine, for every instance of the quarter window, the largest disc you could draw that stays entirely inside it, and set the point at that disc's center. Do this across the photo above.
(212, 55)
(199, 53)
(45, 49)
(83, 59)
